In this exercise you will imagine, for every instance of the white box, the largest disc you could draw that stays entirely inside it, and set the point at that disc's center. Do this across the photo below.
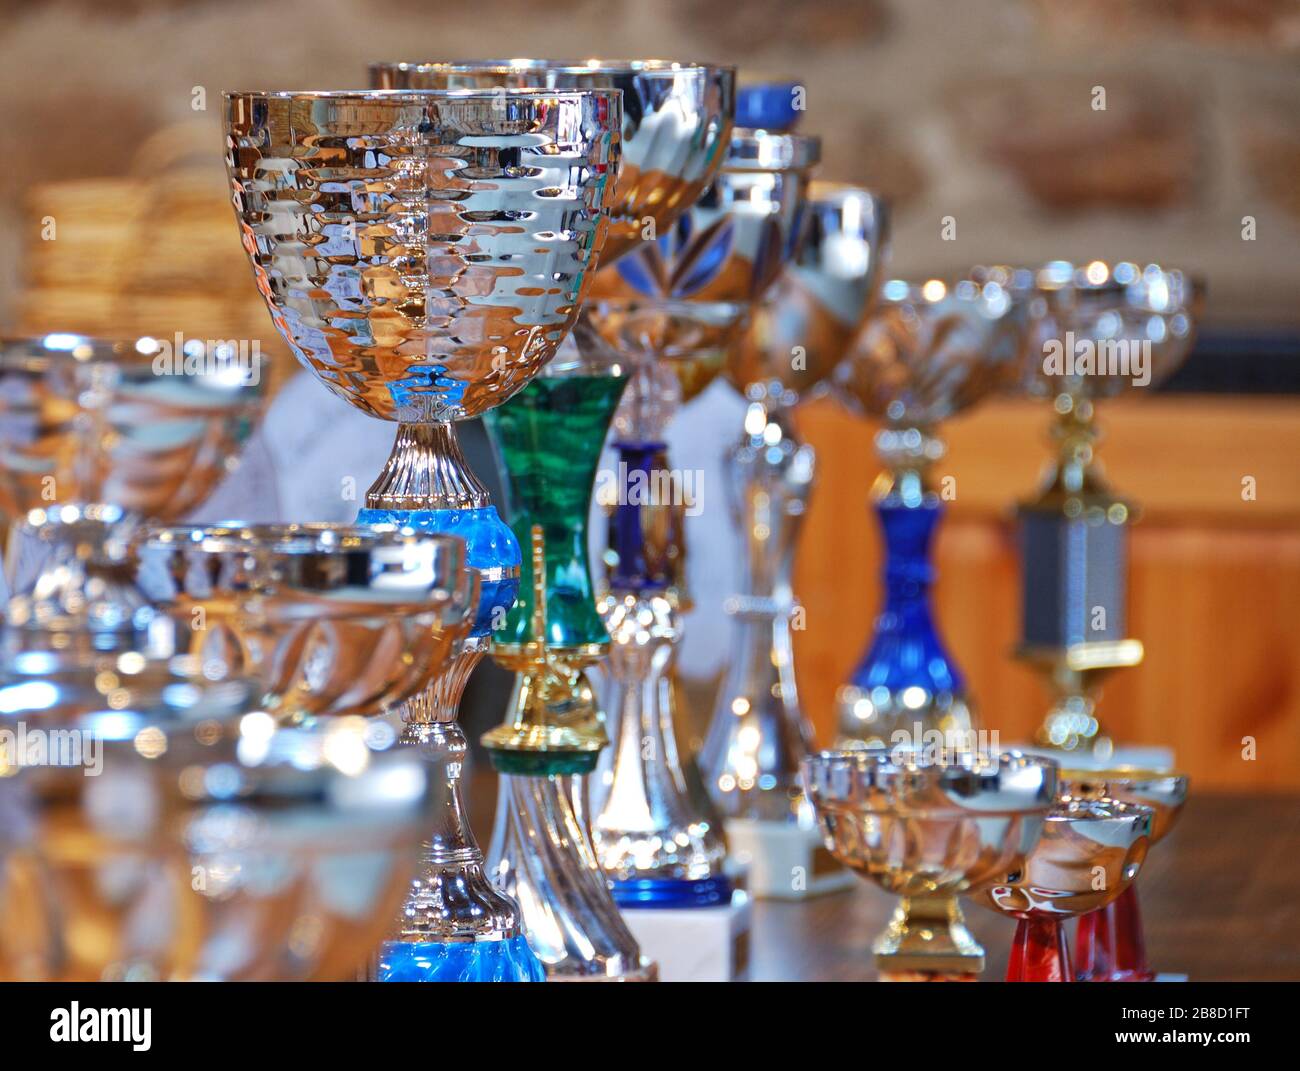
(694, 944)
(784, 860)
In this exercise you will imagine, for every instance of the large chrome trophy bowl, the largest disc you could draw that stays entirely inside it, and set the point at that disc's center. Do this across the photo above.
(548, 440)
(98, 435)
(1098, 330)
(929, 351)
(321, 620)
(675, 309)
(929, 830)
(425, 253)
(173, 805)
(797, 336)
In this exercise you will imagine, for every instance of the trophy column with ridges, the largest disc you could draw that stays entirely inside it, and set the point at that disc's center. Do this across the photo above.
(675, 308)
(758, 734)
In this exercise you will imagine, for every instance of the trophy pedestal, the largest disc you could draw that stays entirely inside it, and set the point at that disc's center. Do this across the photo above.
(1137, 756)
(784, 861)
(695, 944)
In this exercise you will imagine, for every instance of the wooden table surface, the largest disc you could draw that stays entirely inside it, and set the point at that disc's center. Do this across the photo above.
(1220, 898)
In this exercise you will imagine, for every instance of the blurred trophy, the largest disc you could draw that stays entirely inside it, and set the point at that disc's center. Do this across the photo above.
(1112, 947)
(675, 309)
(108, 434)
(548, 441)
(171, 810)
(424, 253)
(928, 352)
(1098, 330)
(1089, 853)
(758, 734)
(929, 827)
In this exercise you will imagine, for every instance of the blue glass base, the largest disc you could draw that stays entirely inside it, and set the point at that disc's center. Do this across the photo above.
(906, 650)
(671, 892)
(491, 549)
(462, 961)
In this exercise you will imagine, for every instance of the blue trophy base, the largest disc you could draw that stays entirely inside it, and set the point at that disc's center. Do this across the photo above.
(491, 550)
(671, 892)
(510, 960)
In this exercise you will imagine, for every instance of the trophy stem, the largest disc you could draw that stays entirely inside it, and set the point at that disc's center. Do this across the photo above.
(928, 934)
(1040, 952)
(906, 685)
(454, 926)
(426, 471)
(1075, 434)
(541, 856)
(758, 735)
(1112, 947)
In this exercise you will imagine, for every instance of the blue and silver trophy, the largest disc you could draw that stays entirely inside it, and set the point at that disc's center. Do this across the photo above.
(424, 253)
(677, 307)
(931, 350)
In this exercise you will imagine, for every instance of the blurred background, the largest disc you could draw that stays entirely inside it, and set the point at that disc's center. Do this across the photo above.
(977, 120)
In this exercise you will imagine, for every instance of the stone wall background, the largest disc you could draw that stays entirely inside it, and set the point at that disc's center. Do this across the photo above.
(979, 110)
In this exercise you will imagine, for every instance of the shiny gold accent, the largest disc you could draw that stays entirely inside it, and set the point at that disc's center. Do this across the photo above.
(928, 933)
(554, 707)
(1075, 674)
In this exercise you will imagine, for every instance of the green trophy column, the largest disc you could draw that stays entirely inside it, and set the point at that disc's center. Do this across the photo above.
(548, 440)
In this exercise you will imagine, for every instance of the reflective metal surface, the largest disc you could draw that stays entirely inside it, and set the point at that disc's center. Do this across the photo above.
(799, 333)
(128, 423)
(324, 619)
(424, 253)
(684, 298)
(646, 828)
(674, 308)
(143, 840)
(929, 831)
(1089, 853)
(802, 330)
(676, 125)
(929, 351)
(1111, 941)
(542, 857)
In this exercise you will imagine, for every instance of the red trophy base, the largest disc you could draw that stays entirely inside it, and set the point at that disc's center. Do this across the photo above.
(1111, 946)
(1040, 952)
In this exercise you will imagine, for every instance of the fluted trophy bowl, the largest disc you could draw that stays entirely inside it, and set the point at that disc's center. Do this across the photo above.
(682, 301)
(800, 333)
(97, 435)
(133, 424)
(1139, 323)
(1089, 853)
(323, 620)
(929, 828)
(930, 351)
(155, 849)
(676, 122)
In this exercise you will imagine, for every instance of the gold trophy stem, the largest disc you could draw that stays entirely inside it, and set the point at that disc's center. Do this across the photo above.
(927, 934)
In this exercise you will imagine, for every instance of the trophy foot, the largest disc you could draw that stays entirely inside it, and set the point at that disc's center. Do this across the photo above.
(508, 960)
(1040, 952)
(672, 892)
(928, 934)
